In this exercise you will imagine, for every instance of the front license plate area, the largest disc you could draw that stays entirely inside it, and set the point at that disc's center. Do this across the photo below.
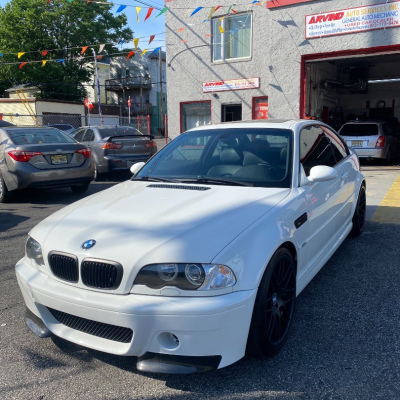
(356, 143)
(59, 159)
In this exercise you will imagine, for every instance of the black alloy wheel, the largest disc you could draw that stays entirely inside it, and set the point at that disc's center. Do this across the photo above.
(359, 212)
(274, 306)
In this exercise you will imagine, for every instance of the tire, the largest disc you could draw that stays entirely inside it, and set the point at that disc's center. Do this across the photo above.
(274, 306)
(80, 188)
(4, 193)
(97, 176)
(359, 213)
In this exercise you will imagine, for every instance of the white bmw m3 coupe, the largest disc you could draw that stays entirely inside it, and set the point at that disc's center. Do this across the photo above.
(201, 255)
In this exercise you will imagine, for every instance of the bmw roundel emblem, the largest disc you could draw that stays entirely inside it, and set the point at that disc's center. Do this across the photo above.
(88, 244)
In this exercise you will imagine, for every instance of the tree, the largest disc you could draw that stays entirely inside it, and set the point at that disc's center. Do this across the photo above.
(62, 28)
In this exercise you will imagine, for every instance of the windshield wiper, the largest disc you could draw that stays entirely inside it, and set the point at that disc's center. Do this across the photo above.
(153, 179)
(217, 181)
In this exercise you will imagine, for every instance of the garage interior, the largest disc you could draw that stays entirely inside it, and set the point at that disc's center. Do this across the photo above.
(356, 87)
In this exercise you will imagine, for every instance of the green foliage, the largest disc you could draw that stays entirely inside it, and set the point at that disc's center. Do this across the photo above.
(62, 28)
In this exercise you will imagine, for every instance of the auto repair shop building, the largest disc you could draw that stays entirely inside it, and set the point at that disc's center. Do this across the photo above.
(329, 60)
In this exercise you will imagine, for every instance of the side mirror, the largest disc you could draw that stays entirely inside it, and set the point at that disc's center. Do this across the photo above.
(319, 173)
(136, 168)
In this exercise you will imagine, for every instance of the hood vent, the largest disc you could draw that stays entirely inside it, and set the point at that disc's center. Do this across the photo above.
(163, 186)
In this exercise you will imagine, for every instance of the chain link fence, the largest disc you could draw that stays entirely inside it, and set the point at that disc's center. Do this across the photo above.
(142, 123)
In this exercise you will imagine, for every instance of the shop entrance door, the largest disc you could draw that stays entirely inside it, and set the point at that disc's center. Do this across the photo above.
(231, 112)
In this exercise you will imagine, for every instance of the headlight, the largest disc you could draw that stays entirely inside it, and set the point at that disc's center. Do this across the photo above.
(186, 276)
(33, 251)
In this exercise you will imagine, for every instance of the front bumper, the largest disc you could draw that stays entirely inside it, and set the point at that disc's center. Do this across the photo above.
(196, 332)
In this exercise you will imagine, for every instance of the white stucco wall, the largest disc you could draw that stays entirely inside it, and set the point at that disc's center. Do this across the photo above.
(278, 44)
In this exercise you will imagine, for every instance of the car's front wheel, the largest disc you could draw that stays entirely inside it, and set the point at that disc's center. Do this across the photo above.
(359, 213)
(4, 193)
(274, 306)
(80, 188)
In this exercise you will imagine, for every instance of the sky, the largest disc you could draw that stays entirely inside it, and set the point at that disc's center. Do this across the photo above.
(141, 29)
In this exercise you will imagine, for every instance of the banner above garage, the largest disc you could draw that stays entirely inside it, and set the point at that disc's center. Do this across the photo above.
(353, 20)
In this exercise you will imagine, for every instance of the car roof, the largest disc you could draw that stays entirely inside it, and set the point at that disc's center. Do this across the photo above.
(5, 123)
(18, 127)
(372, 121)
(266, 123)
(107, 126)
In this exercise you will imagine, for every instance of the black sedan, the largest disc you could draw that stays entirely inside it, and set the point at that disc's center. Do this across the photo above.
(115, 148)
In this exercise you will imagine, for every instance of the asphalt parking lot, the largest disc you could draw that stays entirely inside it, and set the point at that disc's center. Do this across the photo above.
(345, 341)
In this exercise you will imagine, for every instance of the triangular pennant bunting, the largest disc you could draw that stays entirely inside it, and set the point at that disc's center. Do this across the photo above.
(120, 8)
(149, 11)
(162, 11)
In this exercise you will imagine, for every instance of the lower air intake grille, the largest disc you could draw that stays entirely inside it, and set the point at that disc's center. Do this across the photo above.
(64, 266)
(101, 274)
(105, 331)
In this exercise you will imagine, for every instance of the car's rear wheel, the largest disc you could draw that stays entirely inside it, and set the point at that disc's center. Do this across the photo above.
(4, 193)
(359, 213)
(97, 176)
(80, 188)
(274, 306)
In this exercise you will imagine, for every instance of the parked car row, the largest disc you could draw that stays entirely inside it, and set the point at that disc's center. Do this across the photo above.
(48, 157)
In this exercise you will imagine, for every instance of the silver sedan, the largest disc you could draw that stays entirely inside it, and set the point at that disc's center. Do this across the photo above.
(42, 157)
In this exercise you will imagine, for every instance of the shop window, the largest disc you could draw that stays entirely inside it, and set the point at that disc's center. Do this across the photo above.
(231, 112)
(231, 37)
(260, 107)
(195, 114)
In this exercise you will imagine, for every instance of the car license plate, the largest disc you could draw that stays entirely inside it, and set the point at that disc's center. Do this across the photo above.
(356, 143)
(59, 159)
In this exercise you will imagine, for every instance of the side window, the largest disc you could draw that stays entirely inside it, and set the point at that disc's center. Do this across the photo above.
(315, 148)
(79, 135)
(89, 136)
(340, 148)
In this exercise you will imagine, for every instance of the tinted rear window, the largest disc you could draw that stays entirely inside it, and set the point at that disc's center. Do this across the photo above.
(359, 130)
(62, 127)
(37, 136)
(118, 130)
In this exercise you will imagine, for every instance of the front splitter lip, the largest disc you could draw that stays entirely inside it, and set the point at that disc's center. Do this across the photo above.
(175, 364)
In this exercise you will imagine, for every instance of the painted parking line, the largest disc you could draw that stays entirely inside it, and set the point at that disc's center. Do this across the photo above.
(389, 209)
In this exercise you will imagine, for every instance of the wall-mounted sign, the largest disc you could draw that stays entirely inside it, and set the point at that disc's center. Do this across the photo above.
(260, 107)
(234, 84)
(353, 20)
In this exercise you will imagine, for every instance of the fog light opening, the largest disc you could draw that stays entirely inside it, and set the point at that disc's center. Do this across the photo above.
(168, 340)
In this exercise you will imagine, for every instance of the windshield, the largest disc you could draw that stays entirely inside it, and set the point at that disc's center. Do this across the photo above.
(118, 130)
(255, 157)
(359, 130)
(37, 136)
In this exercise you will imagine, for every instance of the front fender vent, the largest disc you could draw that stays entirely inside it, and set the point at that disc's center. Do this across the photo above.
(163, 186)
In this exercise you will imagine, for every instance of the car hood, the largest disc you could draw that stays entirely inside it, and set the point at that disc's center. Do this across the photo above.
(137, 223)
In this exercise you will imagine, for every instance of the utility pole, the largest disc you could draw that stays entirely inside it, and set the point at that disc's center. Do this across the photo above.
(161, 95)
(96, 68)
